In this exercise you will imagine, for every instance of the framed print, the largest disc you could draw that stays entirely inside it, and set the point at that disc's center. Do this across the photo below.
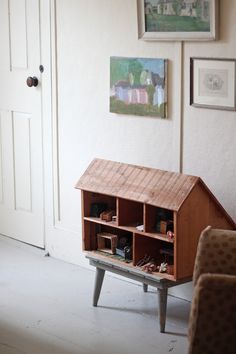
(182, 20)
(212, 83)
(138, 86)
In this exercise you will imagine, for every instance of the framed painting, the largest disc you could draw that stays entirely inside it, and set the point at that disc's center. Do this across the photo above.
(178, 20)
(212, 83)
(138, 86)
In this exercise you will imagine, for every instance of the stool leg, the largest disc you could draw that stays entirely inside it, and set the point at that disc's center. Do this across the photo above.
(98, 285)
(145, 288)
(162, 302)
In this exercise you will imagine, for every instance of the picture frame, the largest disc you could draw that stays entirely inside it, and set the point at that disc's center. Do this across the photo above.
(212, 83)
(177, 20)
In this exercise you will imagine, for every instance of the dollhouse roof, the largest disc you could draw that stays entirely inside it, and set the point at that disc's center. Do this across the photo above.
(146, 185)
(155, 187)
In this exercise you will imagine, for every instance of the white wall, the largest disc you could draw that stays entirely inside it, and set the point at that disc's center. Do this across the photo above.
(209, 144)
(87, 34)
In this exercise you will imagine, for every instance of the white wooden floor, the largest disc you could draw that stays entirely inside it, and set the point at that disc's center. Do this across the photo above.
(45, 308)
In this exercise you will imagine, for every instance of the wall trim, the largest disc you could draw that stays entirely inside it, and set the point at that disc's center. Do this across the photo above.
(178, 122)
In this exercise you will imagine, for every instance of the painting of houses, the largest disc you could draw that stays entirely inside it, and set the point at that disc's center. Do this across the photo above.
(177, 15)
(138, 86)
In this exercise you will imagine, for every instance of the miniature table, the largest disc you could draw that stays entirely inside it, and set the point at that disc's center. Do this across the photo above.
(161, 284)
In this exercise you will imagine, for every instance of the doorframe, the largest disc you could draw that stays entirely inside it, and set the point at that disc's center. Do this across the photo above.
(54, 232)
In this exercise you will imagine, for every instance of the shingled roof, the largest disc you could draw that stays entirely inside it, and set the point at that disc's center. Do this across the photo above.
(146, 185)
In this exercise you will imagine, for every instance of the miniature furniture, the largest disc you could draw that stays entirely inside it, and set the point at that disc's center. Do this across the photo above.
(212, 325)
(158, 217)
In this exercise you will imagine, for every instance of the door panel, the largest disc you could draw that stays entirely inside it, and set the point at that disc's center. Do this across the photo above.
(21, 160)
(21, 145)
(18, 34)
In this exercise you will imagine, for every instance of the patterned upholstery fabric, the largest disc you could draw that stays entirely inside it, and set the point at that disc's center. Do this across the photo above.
(212, 323)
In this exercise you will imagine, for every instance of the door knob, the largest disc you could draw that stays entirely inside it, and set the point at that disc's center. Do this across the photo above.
(32, 81)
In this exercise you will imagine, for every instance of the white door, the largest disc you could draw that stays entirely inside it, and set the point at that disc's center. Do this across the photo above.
(21, 148)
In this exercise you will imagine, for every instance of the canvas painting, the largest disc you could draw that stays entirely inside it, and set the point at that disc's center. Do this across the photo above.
(177, 19)
(138, 86)
(177, 15)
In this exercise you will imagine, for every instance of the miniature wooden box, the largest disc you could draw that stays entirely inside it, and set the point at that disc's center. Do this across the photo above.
(102, 242)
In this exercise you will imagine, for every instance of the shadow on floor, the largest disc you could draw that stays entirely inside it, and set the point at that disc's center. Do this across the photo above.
(25, 341)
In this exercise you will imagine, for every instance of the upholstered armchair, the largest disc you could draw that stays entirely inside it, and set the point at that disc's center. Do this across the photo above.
(212, 324)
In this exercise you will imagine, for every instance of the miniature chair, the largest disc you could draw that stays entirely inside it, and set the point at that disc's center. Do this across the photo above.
(212, 323)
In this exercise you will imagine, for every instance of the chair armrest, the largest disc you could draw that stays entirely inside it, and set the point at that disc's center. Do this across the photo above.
(212, 322)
